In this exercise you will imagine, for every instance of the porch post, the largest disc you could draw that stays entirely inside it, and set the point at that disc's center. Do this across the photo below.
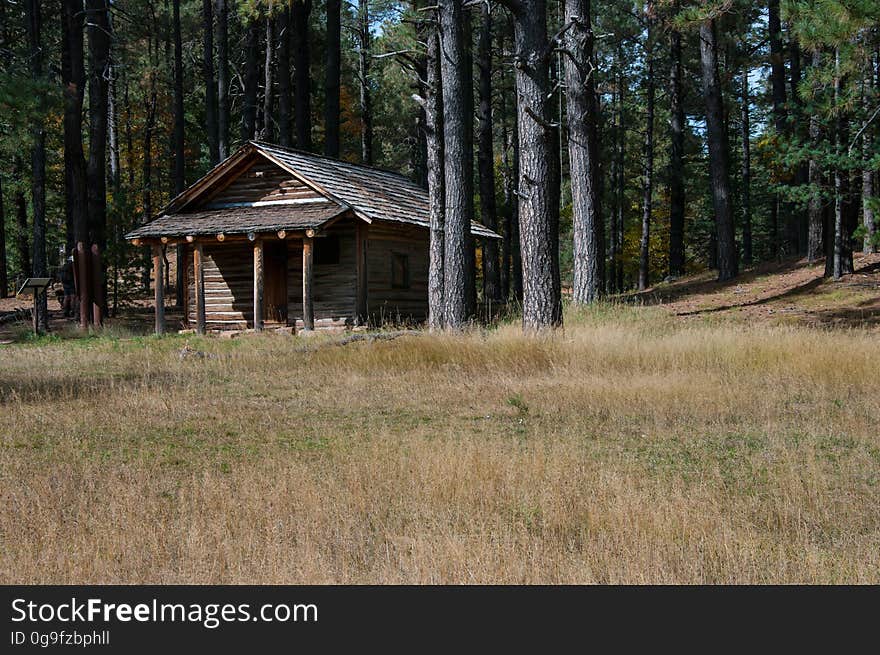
(200, 287)
(308, 307)
(160, 289)
(361, 269)
(258, 284)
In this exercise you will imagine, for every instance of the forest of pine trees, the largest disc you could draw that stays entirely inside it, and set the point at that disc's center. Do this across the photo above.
(612, 144)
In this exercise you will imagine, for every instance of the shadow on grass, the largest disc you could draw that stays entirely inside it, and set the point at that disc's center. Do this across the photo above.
(71, 386)
(682, 289)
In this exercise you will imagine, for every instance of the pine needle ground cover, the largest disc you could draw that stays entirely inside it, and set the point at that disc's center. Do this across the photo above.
(632, 447)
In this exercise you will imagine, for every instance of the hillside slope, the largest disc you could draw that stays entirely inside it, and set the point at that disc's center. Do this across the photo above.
(778, 293)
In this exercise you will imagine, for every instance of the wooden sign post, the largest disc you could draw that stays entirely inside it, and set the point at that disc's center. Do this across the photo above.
(35, 286)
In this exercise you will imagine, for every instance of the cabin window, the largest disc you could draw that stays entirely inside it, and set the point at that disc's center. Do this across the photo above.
(399, 271)
(327, 251)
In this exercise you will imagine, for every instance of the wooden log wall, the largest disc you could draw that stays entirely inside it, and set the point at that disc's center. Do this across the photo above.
(229, 282)
(228, 271)
(334, 285)
(384, 302)
(262, 182)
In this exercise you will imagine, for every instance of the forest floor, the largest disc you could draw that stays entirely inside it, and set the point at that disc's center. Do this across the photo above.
(789, 292)
(683, 443)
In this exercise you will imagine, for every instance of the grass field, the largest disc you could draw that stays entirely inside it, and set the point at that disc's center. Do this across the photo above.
(632, 447)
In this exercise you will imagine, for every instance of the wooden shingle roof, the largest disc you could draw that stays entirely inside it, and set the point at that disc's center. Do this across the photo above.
(369, 193)
(240, 220)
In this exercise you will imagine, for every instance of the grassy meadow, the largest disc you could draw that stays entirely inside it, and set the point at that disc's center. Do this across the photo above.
(631, 447)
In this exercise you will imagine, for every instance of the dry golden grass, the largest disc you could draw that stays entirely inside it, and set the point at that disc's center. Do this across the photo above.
(630, 448)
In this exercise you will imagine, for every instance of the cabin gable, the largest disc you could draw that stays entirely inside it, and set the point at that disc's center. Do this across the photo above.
(262, 183)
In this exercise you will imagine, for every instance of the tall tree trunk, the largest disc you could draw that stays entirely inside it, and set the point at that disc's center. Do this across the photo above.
(815, 214)
(509, 197)
(718, 155)
(211, 125)
(38, 163)
(332, 75)
(458, 183)
(285, 137)
(839, 227)
(676, 159)
(777, 83)
(179, 152)
(539, 200)
(150, 102)
(222, 12)
(4, 275)
(869, 192)
(800, 220)
(4, 281)
(648, 172)
(620, 155)
(746, 171)
(486, 159)
(73, 79)
(99, 61)
(267, 131)
(516, 267)
(582, 149)
(300, 17)
(116, 205)
(470, 250)
(23, 244)
(433, 95)
(251, 73)
(366, 100)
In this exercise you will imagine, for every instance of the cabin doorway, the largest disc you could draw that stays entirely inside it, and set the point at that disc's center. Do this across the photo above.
(275, 282)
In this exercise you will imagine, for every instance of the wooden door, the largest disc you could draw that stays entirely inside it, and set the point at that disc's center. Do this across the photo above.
(275, 284)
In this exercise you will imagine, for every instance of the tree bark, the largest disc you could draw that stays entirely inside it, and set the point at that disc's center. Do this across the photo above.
(582, 149)
(117, 201)
(676, 160)
(470, 250)
(179, 153)
(815, 229)
(458, 183)
(538, 199)
(222, 26)
(23, 244)
(73, 79)
(332, 76)
(869, 191)
(179, 147)
(620, 155)
(777, 83)
(718, 155)
(746, 170)
(300, 17)
(38, 164)
(507, 173)
(648, 172)
(486, 159)
(251, 74)
(99, 61)
(285, 137)
(4, 276)
(267, 131)
(212, 128)
(366, 100)
(433, 95)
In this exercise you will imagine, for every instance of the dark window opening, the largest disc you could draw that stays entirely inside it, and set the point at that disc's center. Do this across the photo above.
(399, 271)
(327, 251)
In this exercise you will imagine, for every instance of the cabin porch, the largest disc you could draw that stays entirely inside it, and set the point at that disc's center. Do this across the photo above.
(309, 279)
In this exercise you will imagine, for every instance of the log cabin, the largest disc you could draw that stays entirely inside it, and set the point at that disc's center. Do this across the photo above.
(275, 237)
